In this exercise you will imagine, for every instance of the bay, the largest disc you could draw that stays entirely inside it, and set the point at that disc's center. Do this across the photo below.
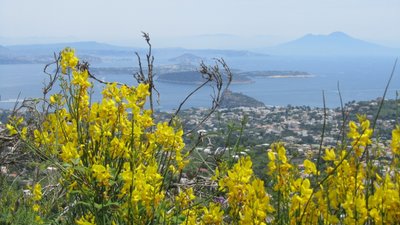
(360, 78)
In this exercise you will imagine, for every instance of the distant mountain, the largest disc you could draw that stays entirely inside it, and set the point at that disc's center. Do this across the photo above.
(336, 43)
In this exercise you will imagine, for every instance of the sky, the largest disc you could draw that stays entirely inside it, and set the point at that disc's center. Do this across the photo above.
(196, 23)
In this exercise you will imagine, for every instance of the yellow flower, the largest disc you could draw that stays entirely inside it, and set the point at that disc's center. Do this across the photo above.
(212, 215)
(305, 188)
(353, 133)
(24, 131)
(396, 140)
(37, 192)
(38, 219)
(11, 129)
(247, 198)
(185, 198)
(237, 179)
(361, 135)
(68, 60)
(80, 78)
(146, 184)
(52, 99)
(282, 154)
(191, 216)
(168, 138)
(127, 177)
(86, 220)
(376, 215)
(329, 155)
(69, 152)
(310, 167)
(142, 91)
(101, 174)
(36, 207)
(271, 156)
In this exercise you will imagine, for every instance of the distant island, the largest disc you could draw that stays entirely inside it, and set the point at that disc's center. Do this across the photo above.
(187, 74)
(195, 77)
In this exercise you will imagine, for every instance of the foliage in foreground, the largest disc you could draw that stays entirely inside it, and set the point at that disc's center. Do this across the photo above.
(117, 166)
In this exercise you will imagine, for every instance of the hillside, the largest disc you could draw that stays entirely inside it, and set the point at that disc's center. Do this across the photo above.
(232, 100)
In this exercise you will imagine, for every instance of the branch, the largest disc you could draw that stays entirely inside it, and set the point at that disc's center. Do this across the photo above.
(213, 75)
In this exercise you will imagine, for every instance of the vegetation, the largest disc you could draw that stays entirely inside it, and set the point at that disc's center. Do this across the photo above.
(115, 165)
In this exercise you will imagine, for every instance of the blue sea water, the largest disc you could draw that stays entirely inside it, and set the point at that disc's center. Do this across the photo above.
(361, 78)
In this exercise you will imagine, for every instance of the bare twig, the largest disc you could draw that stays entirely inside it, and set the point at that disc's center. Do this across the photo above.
(322, 138)
(187, 98)
(141, 78)
(215, 77)
(345, 117)
(52, 77)
(384, 95)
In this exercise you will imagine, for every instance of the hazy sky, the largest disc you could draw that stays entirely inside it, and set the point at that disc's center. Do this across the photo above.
(120, 21)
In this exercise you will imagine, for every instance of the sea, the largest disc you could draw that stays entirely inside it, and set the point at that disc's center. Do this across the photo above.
(356, 78)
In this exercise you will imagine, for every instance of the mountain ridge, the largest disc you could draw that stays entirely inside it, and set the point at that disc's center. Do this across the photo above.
(333, 44)
(97, 49)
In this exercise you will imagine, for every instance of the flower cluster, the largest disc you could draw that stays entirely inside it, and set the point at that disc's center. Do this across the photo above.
(396, 141)
(247, 198)
(343, 191)
(36, 197)
(68, 59)
(111, 152)
(360, 134)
